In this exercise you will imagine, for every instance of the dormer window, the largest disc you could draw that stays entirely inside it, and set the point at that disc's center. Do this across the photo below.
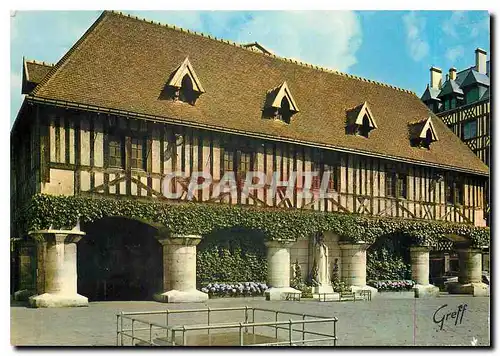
(360, 121)
(280, 104)
(423, 133)
(184, 84)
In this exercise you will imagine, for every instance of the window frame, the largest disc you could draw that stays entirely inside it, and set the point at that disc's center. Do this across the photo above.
(144, 150)
(466, 124)
(396, 184)
(113, 138)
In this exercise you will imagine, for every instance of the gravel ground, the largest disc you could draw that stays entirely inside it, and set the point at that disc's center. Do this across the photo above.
(387, 320)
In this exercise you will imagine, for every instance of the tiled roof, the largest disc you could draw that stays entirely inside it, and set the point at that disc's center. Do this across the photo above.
(33, 73)
(123, 63)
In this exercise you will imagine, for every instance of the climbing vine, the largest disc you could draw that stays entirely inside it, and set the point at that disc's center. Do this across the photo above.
(231, 256)
(274, 223)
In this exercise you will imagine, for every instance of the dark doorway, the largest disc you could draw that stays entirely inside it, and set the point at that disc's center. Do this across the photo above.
(119, 259)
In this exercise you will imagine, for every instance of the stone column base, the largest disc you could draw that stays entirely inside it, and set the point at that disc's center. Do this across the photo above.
(424, 291)
(24, 294)
(177, 296)
(277, 293)
(322, 289)
(47, 300)
(357, 289)
(476, 289)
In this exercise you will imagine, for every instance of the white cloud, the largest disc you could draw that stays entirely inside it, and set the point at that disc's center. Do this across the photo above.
(457, 19)
(454, 53)
(327, 38)
(415, 26)
(330, 39)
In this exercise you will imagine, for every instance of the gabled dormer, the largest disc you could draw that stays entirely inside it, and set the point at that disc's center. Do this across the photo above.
(360, 120)
(184, 84)
(280, 104)
(451, 94)
(423, 133)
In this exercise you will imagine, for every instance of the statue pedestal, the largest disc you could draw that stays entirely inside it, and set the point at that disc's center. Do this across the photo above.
(322, 289)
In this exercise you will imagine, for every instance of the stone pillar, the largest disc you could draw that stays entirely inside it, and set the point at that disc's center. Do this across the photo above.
(354, 266)
(179, 270)
(470, 275)
(60, 274)
(470, 264)
(278, 269)
(420, 272)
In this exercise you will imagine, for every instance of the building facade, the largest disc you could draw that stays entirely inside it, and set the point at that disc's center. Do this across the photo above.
(462, 101)
(135, 108)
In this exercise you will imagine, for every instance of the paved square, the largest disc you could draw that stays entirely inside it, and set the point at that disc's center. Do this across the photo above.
(390, 319)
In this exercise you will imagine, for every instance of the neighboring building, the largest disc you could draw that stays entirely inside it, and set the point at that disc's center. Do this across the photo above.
(463, 103)
(133, 101)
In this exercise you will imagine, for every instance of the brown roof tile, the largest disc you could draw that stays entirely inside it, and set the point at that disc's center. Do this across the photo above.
(124, 63)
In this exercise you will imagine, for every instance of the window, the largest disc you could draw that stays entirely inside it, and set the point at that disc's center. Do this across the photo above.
(472, 95)
(137, 151)
(364, 128)
(284, 113)
(116, 152)
(446, 104)
(396, 184)
(469, 130)
(453, 103)
(186, 92)
(228, 161)
(237, 161)
(244, 163)
(401, 185)
(333, 180)
(454, 191)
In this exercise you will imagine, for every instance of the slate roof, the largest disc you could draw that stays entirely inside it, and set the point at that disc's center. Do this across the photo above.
(430, 93)
(449, 87)
(123, 63)
(474, 77)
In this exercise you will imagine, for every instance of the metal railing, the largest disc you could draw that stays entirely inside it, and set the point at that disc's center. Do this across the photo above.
(150, 333)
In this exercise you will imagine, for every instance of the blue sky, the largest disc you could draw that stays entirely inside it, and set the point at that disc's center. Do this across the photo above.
(395, 47)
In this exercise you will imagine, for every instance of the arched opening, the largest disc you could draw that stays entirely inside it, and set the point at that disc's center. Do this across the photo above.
(285, 112)
(389, 258)
(365, 128)
(187, 93)
(231, 256)
(119, 259)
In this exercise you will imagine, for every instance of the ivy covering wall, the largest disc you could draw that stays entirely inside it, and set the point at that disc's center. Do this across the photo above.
(231, 256)
(273, 223)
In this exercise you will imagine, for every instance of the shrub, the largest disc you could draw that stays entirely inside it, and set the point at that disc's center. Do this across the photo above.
(392, 285)
(231, 256)
(242, 289)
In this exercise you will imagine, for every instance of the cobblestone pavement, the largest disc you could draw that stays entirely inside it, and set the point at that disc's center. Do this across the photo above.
(385, 321)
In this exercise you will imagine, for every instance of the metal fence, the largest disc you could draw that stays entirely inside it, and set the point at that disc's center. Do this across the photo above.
(141, 331)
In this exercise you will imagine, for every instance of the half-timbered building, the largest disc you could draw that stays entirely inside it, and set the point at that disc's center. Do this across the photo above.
(134, 101)
(462, 101)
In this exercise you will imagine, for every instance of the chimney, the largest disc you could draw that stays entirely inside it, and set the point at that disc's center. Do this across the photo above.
(481, 60)
(453, 73)
(436, 78)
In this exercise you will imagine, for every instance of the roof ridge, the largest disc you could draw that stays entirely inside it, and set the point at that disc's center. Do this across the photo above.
(68, 53)
(33, 61)
(293, 61)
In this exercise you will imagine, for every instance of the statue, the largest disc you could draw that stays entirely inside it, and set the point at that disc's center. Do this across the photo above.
(321, 257)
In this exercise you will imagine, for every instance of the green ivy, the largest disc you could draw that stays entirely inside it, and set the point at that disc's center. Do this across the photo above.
(195, 218)
(231, 256)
